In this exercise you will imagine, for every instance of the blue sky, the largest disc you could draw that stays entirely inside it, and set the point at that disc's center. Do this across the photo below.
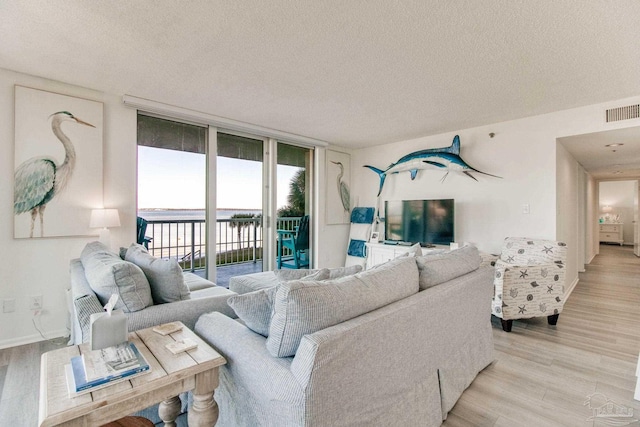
(176, 180)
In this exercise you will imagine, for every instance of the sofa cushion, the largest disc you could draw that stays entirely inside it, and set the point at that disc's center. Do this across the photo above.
(195, 282)
(302, 308)
(285, 275)
(107, 274)
(336, 273)
(255, 308)
(439, 268)
(164, 275)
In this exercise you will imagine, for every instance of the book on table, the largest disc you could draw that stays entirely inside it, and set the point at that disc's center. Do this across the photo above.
(99, 368)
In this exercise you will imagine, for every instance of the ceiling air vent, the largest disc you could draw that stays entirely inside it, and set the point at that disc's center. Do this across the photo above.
(623, 113)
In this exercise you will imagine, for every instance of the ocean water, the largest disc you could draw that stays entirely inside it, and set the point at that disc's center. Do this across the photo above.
(178, 214)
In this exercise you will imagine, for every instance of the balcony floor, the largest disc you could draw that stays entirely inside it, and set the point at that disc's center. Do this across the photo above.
(226, 272)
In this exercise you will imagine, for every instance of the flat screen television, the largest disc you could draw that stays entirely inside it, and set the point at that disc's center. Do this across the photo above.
(420, 221)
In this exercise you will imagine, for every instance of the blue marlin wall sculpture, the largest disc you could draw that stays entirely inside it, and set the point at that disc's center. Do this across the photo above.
(447, 158)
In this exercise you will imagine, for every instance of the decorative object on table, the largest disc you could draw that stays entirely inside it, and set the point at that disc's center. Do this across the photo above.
(168, 328)
(109, 328)
(359, 233)
(297, 243)
(104, 219)
(529, 280)
(99, 368)
(57, 168)
(338, 171)
(181, 346)
(446, 158)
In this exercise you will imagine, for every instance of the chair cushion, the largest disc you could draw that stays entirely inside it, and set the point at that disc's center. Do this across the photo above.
(255, 308)
(108, 274)
(439, 268)
(164, 275)
(305, 307)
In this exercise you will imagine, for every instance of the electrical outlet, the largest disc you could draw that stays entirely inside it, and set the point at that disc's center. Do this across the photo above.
(8, 305)
(35, 302)
(526, 209)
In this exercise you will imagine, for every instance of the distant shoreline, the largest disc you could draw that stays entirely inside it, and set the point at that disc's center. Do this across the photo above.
(195, 209)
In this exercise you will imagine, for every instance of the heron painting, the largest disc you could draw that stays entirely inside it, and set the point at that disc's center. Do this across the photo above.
(338, 195)
(343, 188)
(57, 157)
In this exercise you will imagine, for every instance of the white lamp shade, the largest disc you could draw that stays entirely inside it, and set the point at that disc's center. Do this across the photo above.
(607, 208)
(104, 218)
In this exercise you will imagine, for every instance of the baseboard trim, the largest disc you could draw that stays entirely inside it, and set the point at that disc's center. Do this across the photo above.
(570, 289)
(30, 339)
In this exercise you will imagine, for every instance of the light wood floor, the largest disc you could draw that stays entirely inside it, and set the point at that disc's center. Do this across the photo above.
(541, 377)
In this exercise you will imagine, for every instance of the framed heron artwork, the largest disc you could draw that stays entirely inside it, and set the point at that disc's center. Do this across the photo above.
(338, 173)
(58, 164)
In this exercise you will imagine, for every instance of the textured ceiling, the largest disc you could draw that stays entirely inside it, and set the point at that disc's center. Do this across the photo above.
(353, 73)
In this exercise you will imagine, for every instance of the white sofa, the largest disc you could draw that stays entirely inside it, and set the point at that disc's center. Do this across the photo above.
(404, 362)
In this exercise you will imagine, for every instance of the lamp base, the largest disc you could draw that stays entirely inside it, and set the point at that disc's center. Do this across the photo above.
(105, 237)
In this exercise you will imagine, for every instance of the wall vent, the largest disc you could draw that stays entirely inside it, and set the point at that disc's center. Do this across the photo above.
(623, 113)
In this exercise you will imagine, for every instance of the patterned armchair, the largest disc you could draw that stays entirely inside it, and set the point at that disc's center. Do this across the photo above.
(529, 280)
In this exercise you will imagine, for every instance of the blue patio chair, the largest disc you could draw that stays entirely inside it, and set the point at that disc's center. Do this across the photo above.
(141, 229)
(297, 241)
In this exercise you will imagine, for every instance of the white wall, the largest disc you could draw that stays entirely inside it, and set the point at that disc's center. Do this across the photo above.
(619, 195)
(40, 266)
(523, 152)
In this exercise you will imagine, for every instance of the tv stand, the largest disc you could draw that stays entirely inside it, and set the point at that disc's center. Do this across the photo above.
(378, 253)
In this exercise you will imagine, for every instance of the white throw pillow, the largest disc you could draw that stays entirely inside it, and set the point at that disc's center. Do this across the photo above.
(164, 275)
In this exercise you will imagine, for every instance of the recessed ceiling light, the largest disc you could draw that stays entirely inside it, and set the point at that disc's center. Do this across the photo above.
(614, 145)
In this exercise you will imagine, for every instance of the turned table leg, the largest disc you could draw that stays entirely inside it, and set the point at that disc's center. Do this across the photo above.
(204, 411)
(169, 410)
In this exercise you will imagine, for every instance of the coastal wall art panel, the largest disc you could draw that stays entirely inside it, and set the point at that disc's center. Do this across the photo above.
(338, 173)
(58, 164)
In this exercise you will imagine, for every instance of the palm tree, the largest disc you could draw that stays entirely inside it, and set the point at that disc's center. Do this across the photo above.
(239, 221)
(296, 197)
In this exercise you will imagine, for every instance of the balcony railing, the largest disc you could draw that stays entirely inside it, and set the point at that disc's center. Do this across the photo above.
(238, 240)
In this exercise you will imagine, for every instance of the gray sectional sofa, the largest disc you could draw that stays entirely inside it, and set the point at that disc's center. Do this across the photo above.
(151, 291)
(394, 345)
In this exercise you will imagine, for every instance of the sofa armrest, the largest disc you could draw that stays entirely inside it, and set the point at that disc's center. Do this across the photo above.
(251, 366)
(83, 308)
(187, 311)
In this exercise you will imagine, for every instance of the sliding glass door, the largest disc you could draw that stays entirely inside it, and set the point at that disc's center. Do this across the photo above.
(239, 205)
(172, 171)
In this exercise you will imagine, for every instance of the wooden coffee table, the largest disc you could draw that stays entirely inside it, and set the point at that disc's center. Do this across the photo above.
(170, 375)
